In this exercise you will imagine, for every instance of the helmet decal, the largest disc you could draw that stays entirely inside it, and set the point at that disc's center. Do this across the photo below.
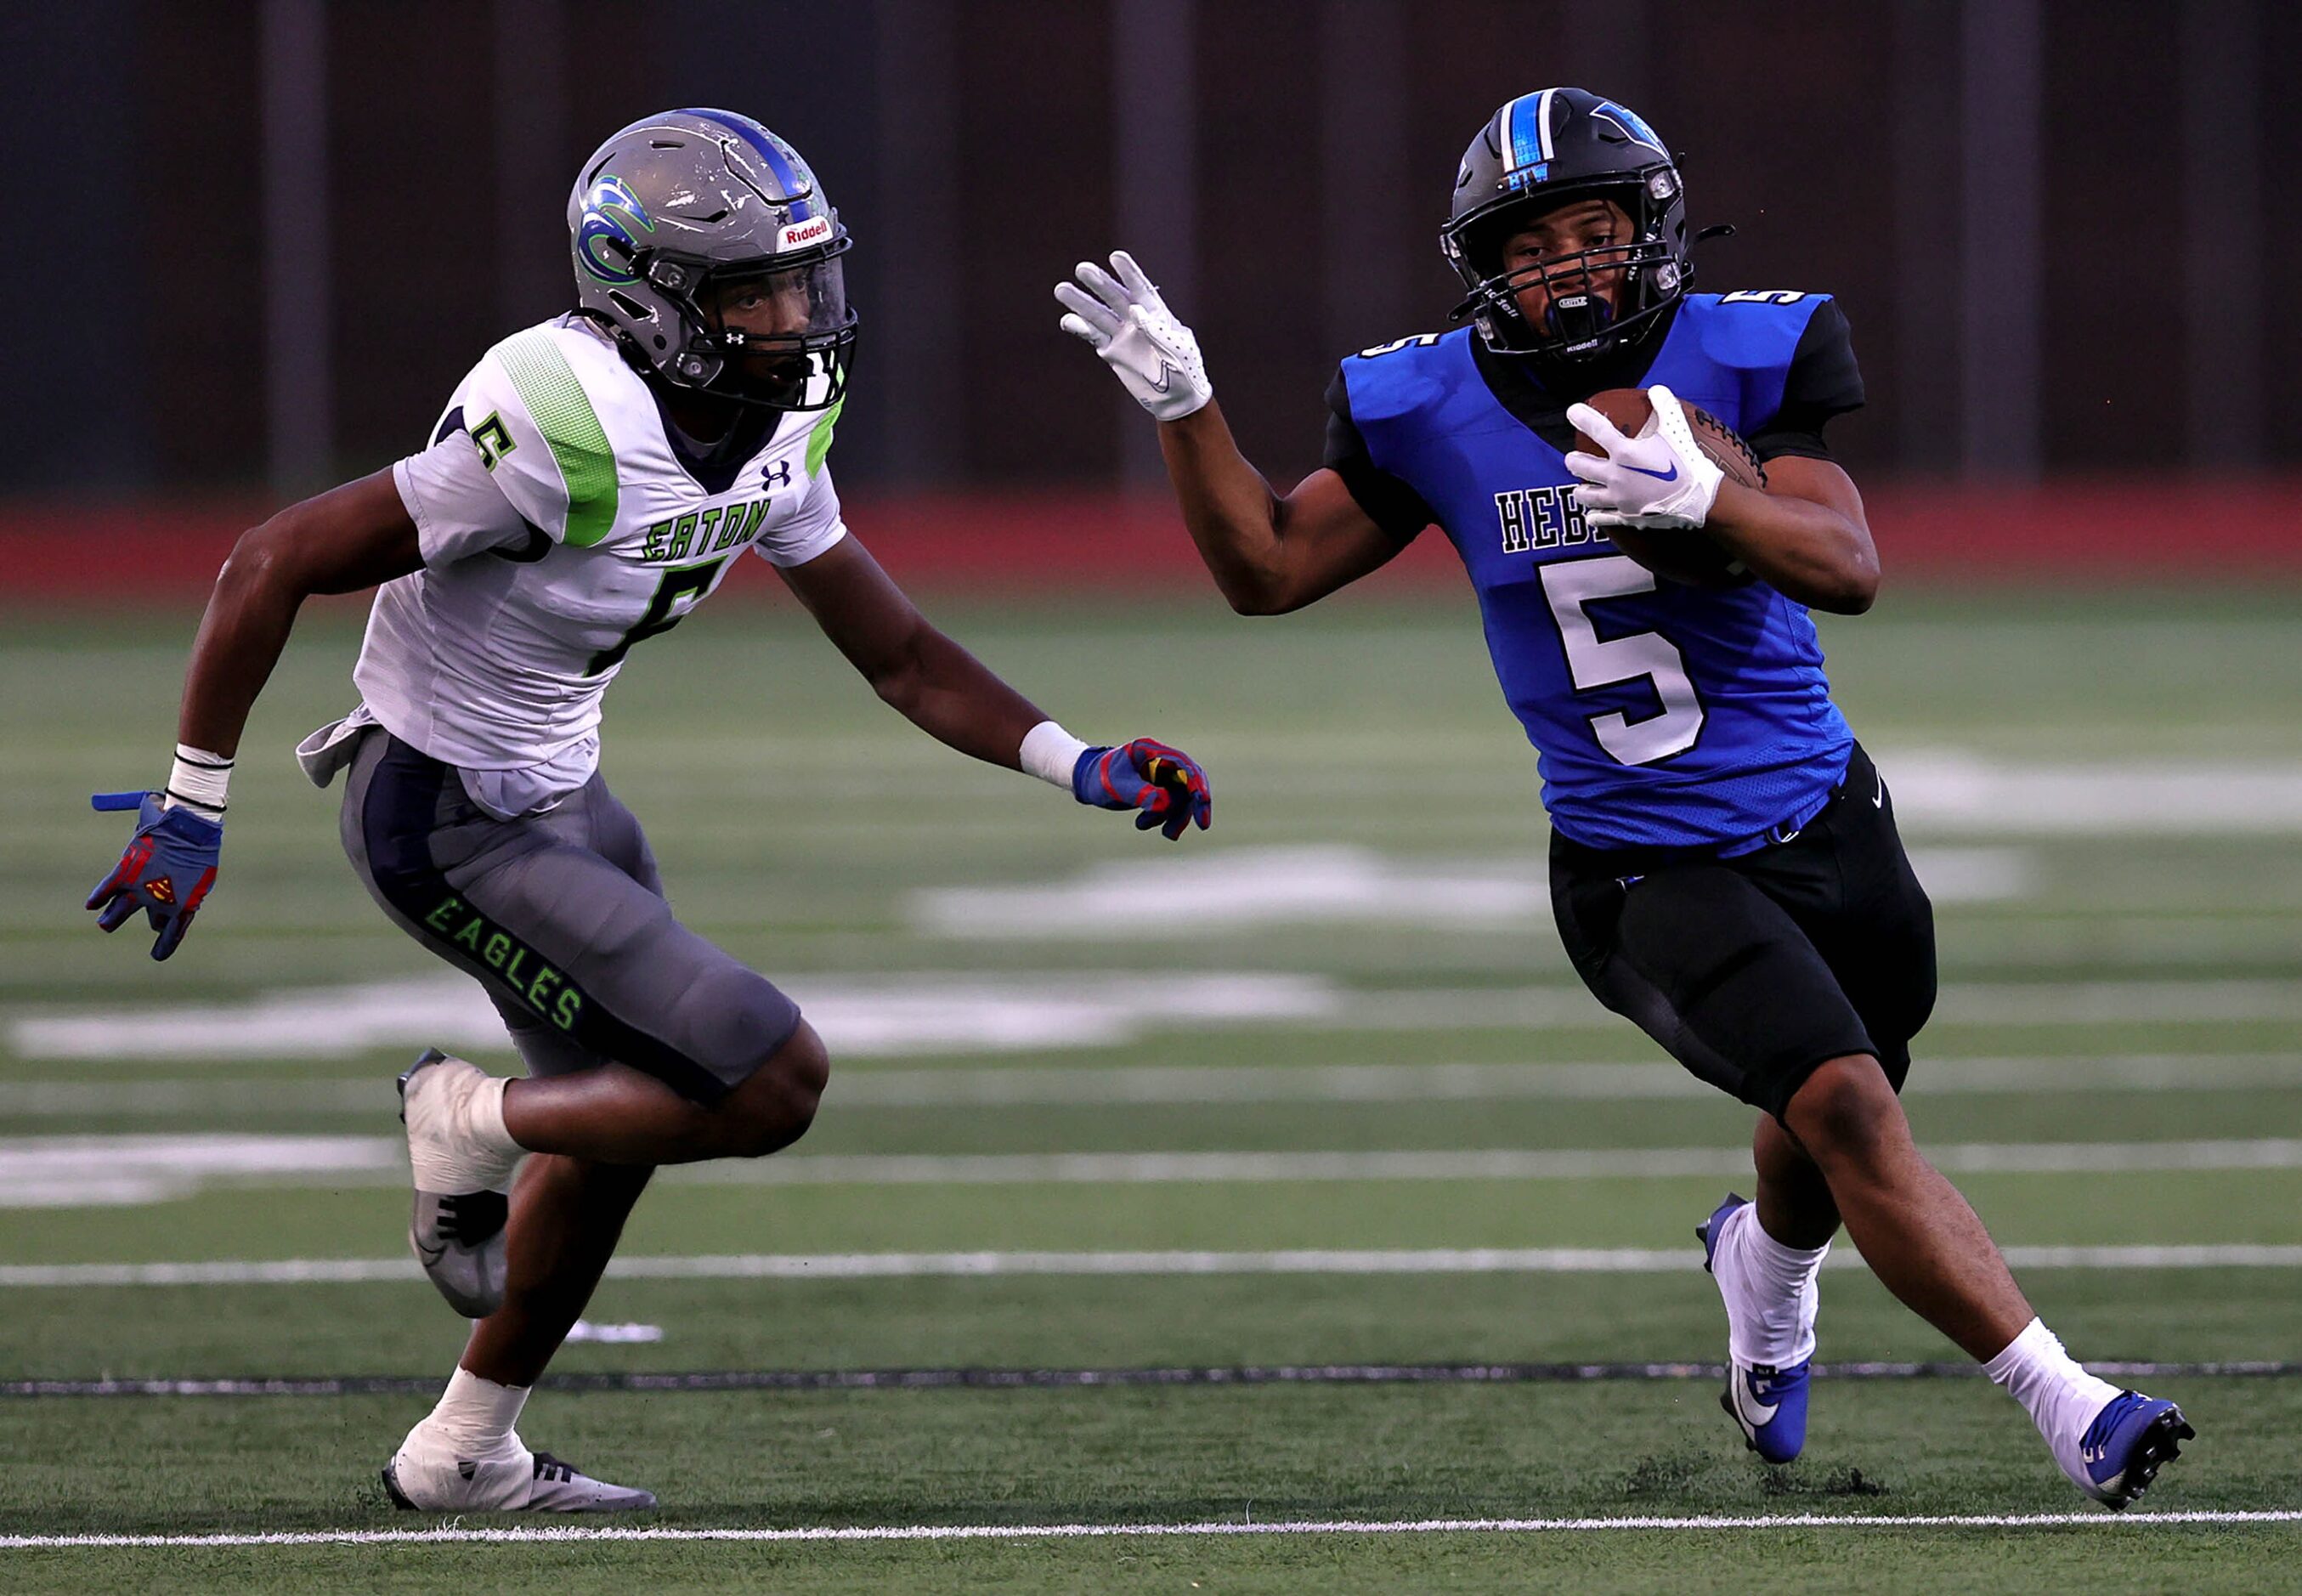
(799, 235)
(791, 173)
(611, 211)
(1633, 125)
(1525, 124)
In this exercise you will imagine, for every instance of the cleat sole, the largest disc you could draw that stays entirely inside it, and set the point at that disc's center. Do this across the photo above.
(2160, 1445)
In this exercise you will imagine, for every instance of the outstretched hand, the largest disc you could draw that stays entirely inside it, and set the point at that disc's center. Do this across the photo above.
(1124, 319)
(166, 870)
(1164, 785)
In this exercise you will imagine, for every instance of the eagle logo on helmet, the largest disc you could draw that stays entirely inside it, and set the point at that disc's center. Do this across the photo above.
(1631, 125)
(611, 211)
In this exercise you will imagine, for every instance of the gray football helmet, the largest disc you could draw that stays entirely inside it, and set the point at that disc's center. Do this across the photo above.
(671, 210)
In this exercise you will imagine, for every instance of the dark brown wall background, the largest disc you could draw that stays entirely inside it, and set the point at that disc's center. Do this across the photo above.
(1830, 133)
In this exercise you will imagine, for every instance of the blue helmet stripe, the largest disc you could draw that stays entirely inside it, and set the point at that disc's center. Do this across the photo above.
(1526, 141)
(763, 145)
(1527, 123)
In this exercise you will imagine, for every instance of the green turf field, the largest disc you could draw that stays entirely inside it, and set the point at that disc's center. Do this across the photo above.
(1316, 1088)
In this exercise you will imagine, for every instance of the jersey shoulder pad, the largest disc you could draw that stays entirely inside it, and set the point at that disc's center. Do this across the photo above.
(1405, 375)
(536, 406)
(1754, 328)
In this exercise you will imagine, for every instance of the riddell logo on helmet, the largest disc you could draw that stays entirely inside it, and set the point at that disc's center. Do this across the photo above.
(798, 235)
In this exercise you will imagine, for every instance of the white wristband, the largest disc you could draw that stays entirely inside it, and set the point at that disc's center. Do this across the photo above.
(198, 780)
(1051, 753)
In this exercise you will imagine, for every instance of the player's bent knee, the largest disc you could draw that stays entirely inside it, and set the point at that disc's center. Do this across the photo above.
(1846, 1113)
(775, 1106)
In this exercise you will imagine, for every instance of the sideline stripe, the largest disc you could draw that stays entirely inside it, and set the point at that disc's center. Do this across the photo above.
(877, 1380)
(456, 1535)
(1532, 1260)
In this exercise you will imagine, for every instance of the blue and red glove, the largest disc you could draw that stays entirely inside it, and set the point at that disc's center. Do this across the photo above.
(169, 864)
(1165, 784)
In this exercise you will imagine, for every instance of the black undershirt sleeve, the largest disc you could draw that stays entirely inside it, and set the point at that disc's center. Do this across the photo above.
(1389, 503)
(1823, 381)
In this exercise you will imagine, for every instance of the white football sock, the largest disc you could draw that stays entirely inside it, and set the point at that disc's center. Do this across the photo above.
(2061, 1397)
(484, 1118)
(1771, 1289)
(474, 1417)
(456, 1138)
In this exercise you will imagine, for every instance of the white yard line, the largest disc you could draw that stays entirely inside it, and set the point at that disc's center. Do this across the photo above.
(943, 1012)
(1210, 1084)
(39, 1171)
(446, 1534)
(859, 1016)
(1534, 1260)
(1234, 889)
(87, 1171)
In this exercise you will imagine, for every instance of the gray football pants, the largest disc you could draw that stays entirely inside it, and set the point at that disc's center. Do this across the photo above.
(562, 918)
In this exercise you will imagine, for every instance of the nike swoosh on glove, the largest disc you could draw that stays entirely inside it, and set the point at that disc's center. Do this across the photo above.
(1123, 319)
(1164, 783)
(166, 870)
(1659, 481)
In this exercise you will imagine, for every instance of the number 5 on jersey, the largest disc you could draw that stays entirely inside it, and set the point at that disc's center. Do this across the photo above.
(690, 583)
(1592, 662)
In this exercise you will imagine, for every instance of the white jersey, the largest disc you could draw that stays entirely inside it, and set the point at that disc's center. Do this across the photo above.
(558, 526)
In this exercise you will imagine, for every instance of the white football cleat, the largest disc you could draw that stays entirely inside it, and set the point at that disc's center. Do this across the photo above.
(462, 1182)
(430, 1478)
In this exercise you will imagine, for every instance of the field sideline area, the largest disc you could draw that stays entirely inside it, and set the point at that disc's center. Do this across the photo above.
(1271, 1212)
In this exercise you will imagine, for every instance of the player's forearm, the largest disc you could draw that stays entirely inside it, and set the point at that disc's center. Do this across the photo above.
(1232, 514)
(248, 618)
(1807, 552)
(950, 694)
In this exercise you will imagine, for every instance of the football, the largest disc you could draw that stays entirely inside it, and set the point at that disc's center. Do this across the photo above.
(1692, 559)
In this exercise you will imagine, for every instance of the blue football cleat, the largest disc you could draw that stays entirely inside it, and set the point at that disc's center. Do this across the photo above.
(1768, 1404)
(2130, 1439)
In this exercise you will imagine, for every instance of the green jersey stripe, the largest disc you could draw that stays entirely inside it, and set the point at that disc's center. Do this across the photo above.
(562, 412)
(820, 445)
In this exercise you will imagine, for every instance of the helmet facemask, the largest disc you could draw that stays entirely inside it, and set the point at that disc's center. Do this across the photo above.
(801, 364)
(1579, 323)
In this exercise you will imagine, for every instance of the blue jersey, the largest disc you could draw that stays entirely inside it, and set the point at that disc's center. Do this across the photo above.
(1663, 714)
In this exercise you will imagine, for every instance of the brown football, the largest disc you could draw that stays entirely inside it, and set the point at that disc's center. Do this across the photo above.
(1690, 558)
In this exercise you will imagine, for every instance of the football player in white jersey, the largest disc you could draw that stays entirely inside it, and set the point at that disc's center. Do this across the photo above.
(591, 481)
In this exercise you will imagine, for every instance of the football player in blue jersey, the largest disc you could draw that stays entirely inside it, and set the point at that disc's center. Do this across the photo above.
(1725, 867)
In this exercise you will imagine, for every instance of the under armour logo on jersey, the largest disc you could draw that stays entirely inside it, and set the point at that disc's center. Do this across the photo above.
(776, 475)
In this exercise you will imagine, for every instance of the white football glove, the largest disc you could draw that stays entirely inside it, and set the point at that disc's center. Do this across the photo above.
(1124, 320)
(1657, 482)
